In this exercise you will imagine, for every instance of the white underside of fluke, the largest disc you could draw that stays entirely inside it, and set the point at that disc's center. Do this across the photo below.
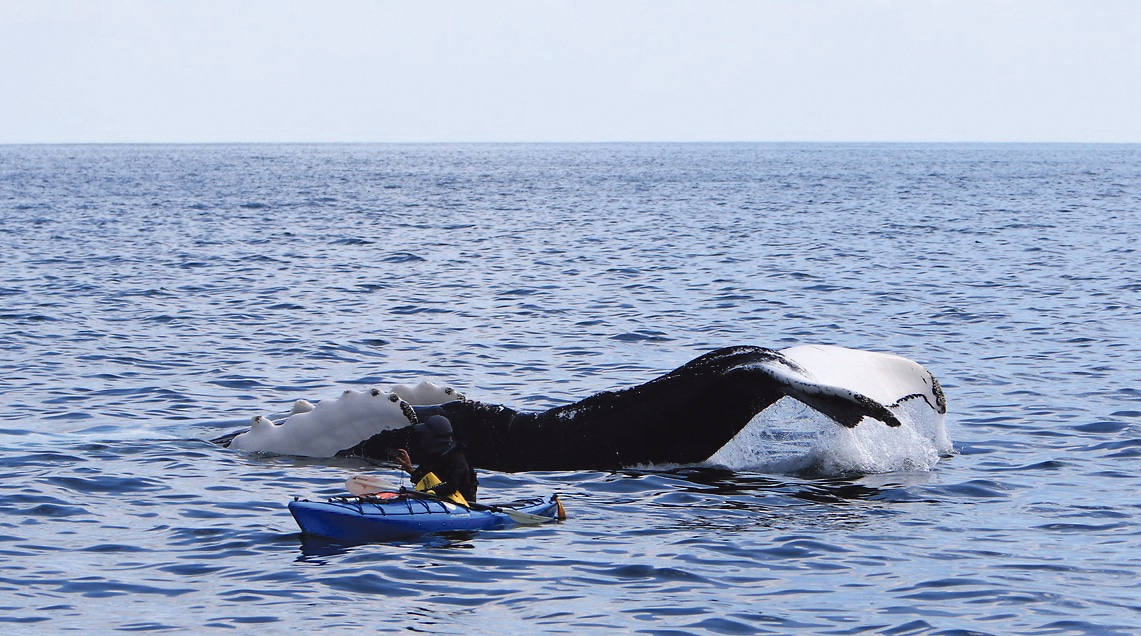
(883, 377)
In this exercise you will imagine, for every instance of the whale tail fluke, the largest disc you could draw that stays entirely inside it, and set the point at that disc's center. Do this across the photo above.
(848, 385)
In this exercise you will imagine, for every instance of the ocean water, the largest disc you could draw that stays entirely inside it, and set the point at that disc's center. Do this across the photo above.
(155, 297)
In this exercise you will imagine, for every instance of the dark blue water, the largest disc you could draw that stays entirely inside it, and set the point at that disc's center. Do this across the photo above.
(154, 297)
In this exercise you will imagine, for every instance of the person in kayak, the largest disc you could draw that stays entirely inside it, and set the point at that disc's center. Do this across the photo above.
(444, 459)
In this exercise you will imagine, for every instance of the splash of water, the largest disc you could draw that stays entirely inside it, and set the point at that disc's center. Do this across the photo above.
(792, 439)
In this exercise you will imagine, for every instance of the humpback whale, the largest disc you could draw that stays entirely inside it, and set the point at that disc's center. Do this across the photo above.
(682, 417)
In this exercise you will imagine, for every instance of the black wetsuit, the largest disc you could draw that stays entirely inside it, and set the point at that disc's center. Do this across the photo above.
(452, 470)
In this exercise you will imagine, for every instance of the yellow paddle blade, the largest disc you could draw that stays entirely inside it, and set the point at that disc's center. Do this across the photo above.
(430, 481)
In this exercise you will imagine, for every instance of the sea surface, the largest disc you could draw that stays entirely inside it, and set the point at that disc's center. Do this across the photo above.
(155, 297)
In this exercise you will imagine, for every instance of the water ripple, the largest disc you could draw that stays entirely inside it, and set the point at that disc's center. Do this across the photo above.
(155, 297)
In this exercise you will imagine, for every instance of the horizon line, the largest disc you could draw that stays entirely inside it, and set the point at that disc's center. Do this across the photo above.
(569, 142)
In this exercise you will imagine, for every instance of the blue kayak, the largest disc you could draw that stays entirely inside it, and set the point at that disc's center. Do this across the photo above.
(397, 515)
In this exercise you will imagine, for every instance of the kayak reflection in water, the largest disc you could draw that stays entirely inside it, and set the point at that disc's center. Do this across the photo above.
(444, 470)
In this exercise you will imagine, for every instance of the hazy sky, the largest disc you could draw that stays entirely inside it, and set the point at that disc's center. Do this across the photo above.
(615, 70)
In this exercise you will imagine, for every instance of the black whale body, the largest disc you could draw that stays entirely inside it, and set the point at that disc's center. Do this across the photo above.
(682, 417)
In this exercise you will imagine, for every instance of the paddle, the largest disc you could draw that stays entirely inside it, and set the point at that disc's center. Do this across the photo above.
(522, 518)
(363, 485)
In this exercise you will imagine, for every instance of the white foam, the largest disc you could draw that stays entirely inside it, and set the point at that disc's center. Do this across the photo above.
(791, 438)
